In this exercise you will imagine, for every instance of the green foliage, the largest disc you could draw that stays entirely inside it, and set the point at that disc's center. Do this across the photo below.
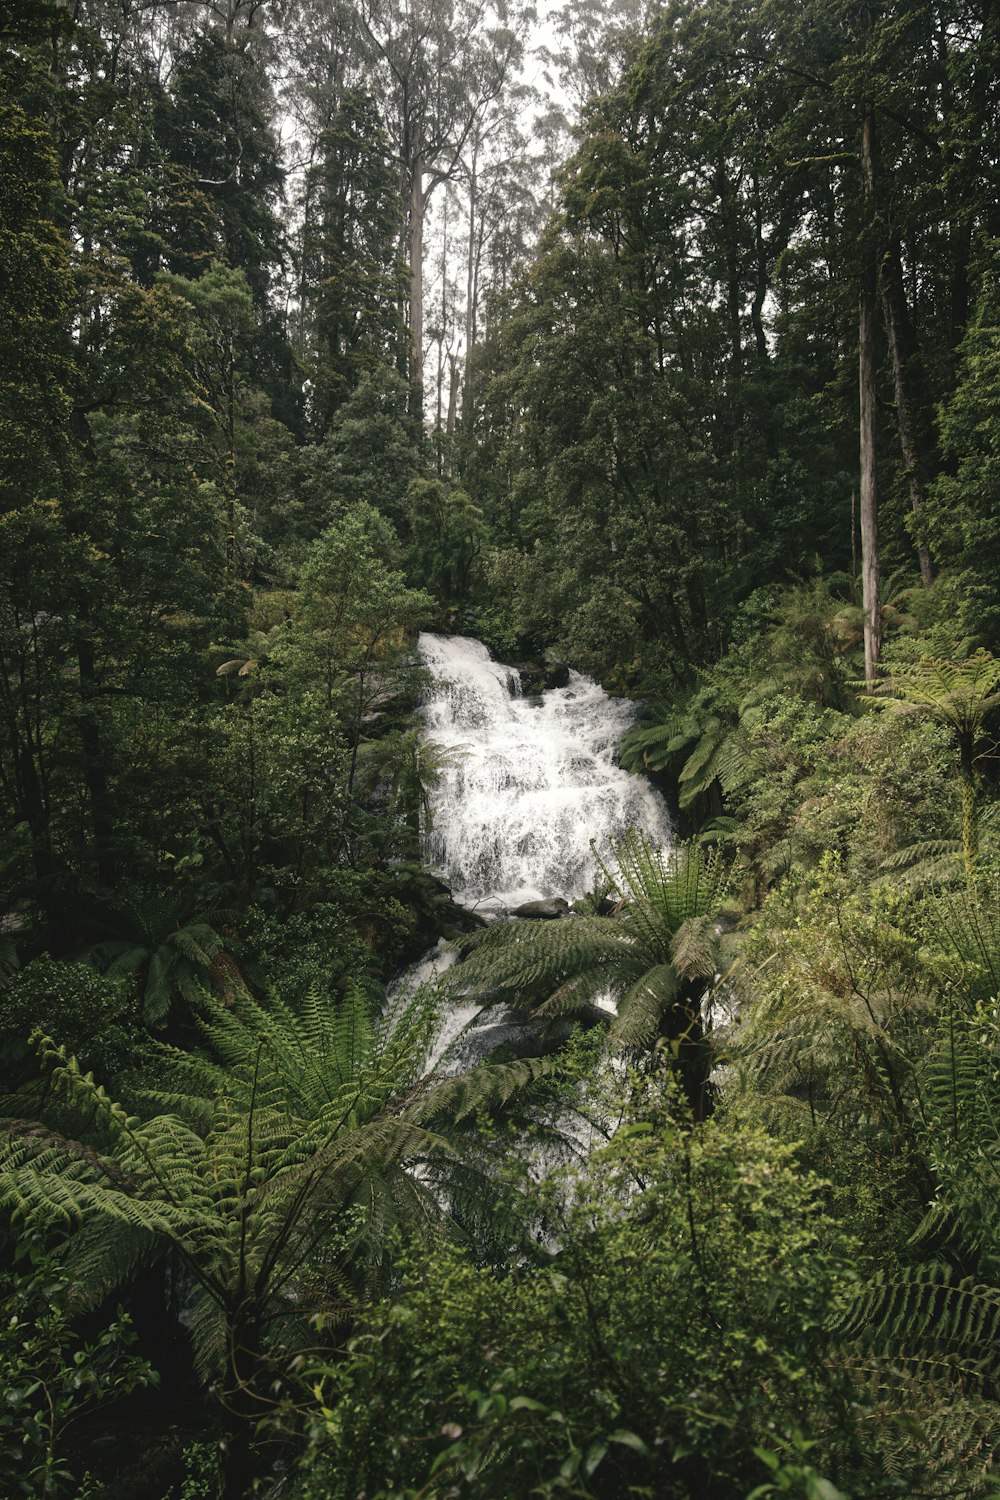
(790, 1476)
(658, 956)
(447, 532)
(35, 292)
(98, 1015)
(54, 1377)
(839, 993)
(966, 512)
(271, 1168)
(369, 455)
(961, 695)
(170, 953)
(677, 1324)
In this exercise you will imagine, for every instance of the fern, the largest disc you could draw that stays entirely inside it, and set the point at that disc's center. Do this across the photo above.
(930, 1310)
(290, 1143)
(961, 695)
(169, 951)
(657, 956)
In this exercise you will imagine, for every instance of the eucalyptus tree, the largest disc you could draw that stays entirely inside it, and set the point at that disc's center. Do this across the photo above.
(596, 43)
(899, 99)
(348, 213)
(440, 65)
(218, 125)
(964, 516)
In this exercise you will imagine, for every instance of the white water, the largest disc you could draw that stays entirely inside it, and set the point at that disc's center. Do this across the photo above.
(531, 783)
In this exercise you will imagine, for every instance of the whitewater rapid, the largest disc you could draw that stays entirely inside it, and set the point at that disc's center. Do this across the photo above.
(528, 783)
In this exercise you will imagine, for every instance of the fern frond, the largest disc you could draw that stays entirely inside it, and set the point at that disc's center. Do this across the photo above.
(455, 1099)
(642, 1007)
(927, 1308)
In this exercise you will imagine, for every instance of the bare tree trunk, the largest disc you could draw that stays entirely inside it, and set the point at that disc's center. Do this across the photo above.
(452, 393)
(416, 266)
(866, 393)
(911, 419)
(471, 289)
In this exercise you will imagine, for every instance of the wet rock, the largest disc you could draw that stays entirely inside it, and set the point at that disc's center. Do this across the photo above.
(551, 906)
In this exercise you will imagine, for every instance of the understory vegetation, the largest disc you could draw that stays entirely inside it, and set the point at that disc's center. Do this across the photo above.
(320, 329)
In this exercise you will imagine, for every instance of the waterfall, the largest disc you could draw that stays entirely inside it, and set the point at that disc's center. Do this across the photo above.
(528, 781)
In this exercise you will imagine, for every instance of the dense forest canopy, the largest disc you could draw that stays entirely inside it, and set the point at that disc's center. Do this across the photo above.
(656, 341)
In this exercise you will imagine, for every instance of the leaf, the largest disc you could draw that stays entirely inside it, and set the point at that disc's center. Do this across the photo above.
(630, 1440)
(818, 1488)
(594, 1455)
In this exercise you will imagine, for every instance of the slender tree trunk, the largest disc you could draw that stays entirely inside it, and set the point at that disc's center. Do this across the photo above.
(453, 383)
(441, 357)
(761, 284)
(471, 290)
(970, 811)
(243, 1407)
(95, 773)
(416, 266)
(33, 805)
(911, 417)
(868, 488)
(229, 464)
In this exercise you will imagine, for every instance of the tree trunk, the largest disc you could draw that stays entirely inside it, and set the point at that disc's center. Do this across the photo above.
(416, 267)
(911, 415)
(870, 584)
(453, 382)
(243, 1406)
(95, 773)
(970, 811)
(471, 290)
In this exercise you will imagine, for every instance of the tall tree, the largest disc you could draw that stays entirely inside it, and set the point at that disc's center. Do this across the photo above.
(441, 64)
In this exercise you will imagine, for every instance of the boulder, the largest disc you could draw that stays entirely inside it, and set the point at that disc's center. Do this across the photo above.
(549, 907)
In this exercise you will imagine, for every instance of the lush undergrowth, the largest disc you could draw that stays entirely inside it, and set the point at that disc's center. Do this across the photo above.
(743, 1238)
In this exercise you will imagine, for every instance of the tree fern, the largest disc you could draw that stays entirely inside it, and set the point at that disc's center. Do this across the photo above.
(657, 956)
(962, 695)
(952, 1322)
(273, 1167)
(703, 742)
(168, 950)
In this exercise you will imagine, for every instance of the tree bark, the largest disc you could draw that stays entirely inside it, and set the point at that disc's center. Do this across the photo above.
(868, 488)
(416, 269)
(911, 416)
(453, 384)
(95, 774)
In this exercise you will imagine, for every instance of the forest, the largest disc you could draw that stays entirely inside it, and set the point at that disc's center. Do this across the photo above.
(653, 340)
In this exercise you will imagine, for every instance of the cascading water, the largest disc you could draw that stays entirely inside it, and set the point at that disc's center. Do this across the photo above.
(528, 782)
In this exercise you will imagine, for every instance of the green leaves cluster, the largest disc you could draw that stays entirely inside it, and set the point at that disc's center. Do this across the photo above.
(676, 1317)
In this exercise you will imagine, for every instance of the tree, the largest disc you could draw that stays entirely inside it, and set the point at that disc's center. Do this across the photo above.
(270, 1170)
(442, 66)
(960, 695)
(658, 957)
(349, 254)
(964, 511)
(447, 533)
(168, 951)
(356, 610)
(216, 125)
(36, 292)
(680, 1253)
(225, 321)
